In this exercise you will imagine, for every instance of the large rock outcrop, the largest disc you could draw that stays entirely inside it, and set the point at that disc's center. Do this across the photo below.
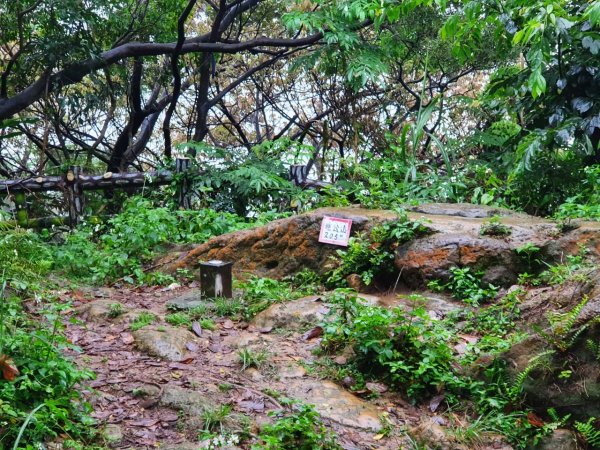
(282, 247)
(286, 246)
(456, 240)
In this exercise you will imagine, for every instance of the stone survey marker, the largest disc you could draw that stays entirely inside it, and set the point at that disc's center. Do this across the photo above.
(335, 231)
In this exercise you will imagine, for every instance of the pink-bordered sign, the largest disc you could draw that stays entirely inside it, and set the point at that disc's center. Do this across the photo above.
(335, 231)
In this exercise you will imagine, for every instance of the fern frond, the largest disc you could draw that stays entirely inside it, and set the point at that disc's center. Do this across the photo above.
(573, 315)
(562, 334)
(535, 362)
(593, 347)
(590, 433)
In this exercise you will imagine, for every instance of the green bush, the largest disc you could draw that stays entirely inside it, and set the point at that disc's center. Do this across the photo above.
(372, 255)
(467, 286)
(25, 259)
(122, 246)
(407, 347)
(45, 378)
(300, 429)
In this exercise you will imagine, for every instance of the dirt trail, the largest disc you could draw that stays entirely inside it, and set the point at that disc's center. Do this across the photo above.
(143, 401)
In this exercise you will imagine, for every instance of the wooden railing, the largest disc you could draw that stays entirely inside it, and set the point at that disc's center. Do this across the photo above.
(74, 183)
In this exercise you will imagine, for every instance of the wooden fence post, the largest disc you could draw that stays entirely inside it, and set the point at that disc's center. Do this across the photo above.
(74, 195)
(184, 197)
(298, 174)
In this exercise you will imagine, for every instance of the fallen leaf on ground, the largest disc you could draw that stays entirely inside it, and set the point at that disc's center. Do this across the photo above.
(196, 328)
(313, 333)
(434, 403)
(187, 360)
(144, 423)
(8, 367)
(534, 419)
(127, 338)
(378, 388)
(191, 347)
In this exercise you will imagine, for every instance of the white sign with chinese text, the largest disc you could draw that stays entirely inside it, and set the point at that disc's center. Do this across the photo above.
(335, 231)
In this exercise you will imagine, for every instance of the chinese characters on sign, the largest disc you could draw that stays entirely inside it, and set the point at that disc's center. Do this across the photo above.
(335, 231)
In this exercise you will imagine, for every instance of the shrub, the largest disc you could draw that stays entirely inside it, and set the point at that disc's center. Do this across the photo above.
(373, 254)
(407, 347)
(300, 429)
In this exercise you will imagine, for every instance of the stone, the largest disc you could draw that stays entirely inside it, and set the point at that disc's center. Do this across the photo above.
(570, 243)
(147, 390)
(462, 210)
(99, 309)
(291, 371)
(165, 342)
(293, 315)
(195, 404)
(282, 247)
(355, 282)
(579, 393)
(253, 374)
(432, 257)
(334, 403)
(186, 400)
(559, 440)
(455, 240)
(113, 434)
(430, 432)
(188, 300)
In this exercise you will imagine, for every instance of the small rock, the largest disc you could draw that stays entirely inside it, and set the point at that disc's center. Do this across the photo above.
(100, 309)
(113, 434)
(430, 432)
(439, 420)
(253, 374)
(186, 400)
(292, 371)
(291, 315)
(171, 287)
(167, 342)
(559, 440)
(355, 282)
(147, 390)
(340, 360)
(188, 300)
(335, 403)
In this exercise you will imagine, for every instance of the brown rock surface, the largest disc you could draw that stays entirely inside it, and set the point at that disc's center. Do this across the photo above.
(282, 247)
(335, 403)
(456, 241)
(286, 246)
(578, 393)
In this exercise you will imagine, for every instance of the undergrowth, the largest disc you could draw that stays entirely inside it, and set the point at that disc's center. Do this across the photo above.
(370, 255)
(299, 429)
(122, 246)
(419, 356)
(39, 388)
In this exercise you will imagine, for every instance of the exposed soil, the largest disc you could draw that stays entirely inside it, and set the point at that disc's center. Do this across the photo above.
(147, 402)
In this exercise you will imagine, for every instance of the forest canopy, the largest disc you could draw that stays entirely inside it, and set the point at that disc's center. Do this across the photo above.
(429, 92)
